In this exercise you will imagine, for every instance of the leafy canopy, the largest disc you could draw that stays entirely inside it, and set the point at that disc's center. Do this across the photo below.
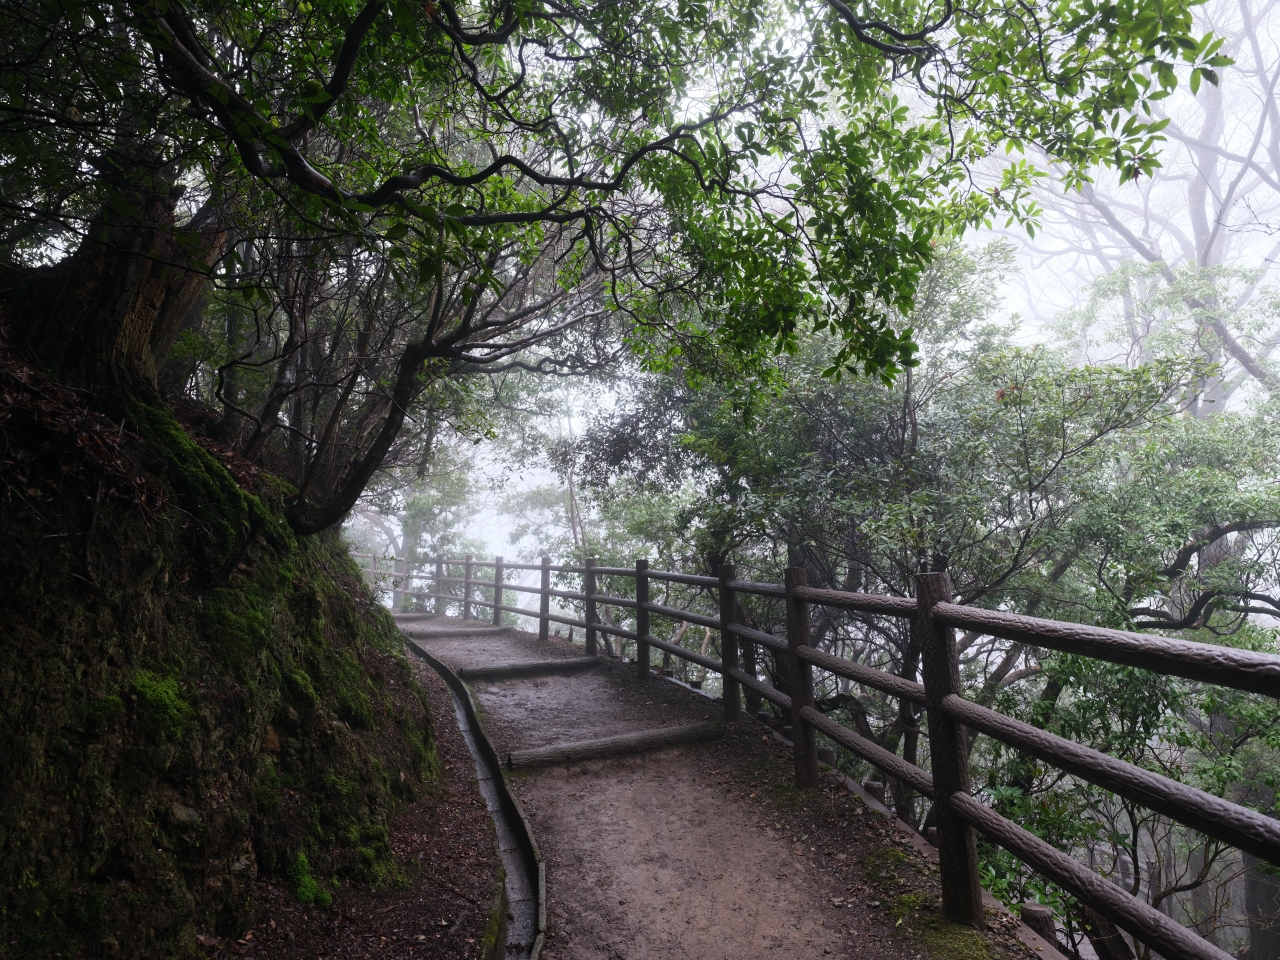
(740, 170)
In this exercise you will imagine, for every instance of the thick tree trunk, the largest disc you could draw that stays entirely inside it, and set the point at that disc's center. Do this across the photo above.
(102, 321)
(104, 318)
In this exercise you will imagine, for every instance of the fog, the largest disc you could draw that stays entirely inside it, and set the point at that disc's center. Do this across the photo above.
(1116, 272)
(1214, 205)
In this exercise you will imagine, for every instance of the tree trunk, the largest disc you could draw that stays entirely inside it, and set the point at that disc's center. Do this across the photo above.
(1262, 907)
(102, 321)
(1102, 933)
(104, 318)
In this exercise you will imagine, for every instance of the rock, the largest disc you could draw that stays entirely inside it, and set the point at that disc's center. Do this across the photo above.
(270, 740)
(183, 817)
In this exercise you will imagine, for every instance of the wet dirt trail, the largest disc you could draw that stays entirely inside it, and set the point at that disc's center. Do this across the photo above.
(702, 852)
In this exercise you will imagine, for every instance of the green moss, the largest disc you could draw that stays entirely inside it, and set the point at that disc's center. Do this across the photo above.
(304, 885)
(237, 622)
(267, 795)
(351, 691)
(885, 860)
(103, 713)
(917, 913)
(122, 709)
(302, 693)
(493, 943)
(208, 492)
(906, 905)
(386, 874)
(344, 787)
(952, 941)
(165, 714)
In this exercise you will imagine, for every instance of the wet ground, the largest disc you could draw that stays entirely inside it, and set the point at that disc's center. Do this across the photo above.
(706, 852)
(437, 909)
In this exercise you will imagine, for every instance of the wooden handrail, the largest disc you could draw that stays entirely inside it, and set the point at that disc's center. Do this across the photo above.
(1224, 666)
(1221, 819)
(865, 602)
(1144, 921)
(950, 713)
(759, 636)
(757, 589)
(873, 753)
(769, 693)
(689, 578)
(868, 676)
(687, 616)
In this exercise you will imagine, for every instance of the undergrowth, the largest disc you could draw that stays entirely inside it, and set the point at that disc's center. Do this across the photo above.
(190, 695)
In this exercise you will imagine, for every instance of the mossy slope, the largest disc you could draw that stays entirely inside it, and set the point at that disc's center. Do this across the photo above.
(208, 698)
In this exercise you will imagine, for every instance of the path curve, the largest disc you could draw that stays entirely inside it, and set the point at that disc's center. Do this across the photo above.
(706, 852)
(525, 882)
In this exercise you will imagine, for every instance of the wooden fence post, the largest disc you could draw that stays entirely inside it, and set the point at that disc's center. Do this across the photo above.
(750, 698)
(589, 588)
(949, 755)
(544, 601)
(642, 619)
(804, 742)
(397, 585)
(497, 591)
(728, 644)
(440, 593)
(466, 587)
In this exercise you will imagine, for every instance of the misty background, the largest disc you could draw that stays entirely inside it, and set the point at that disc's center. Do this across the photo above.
(1114, 273)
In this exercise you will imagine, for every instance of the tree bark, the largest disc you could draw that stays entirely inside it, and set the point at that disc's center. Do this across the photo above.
(1103, 935)
(104, 318)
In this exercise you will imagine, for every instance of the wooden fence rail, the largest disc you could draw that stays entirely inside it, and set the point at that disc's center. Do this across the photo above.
(933, 618)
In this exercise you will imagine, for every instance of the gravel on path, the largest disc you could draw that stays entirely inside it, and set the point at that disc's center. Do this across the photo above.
(707, 852)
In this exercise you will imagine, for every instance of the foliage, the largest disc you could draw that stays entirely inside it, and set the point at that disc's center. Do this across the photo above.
(1096, 493)
(388, 196)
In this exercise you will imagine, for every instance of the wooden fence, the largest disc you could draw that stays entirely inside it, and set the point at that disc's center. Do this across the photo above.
(934, 617)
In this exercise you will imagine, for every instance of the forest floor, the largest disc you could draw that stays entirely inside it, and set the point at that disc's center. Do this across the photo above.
(705, 852)
(437, 910)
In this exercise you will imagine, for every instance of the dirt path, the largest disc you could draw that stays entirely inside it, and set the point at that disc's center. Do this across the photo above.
(706, 852)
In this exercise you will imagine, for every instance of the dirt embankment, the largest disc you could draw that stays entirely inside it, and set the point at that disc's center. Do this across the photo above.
(191, 697)
(442, 907)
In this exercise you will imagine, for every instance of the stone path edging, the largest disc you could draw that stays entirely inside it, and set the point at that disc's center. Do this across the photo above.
(509, 807)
